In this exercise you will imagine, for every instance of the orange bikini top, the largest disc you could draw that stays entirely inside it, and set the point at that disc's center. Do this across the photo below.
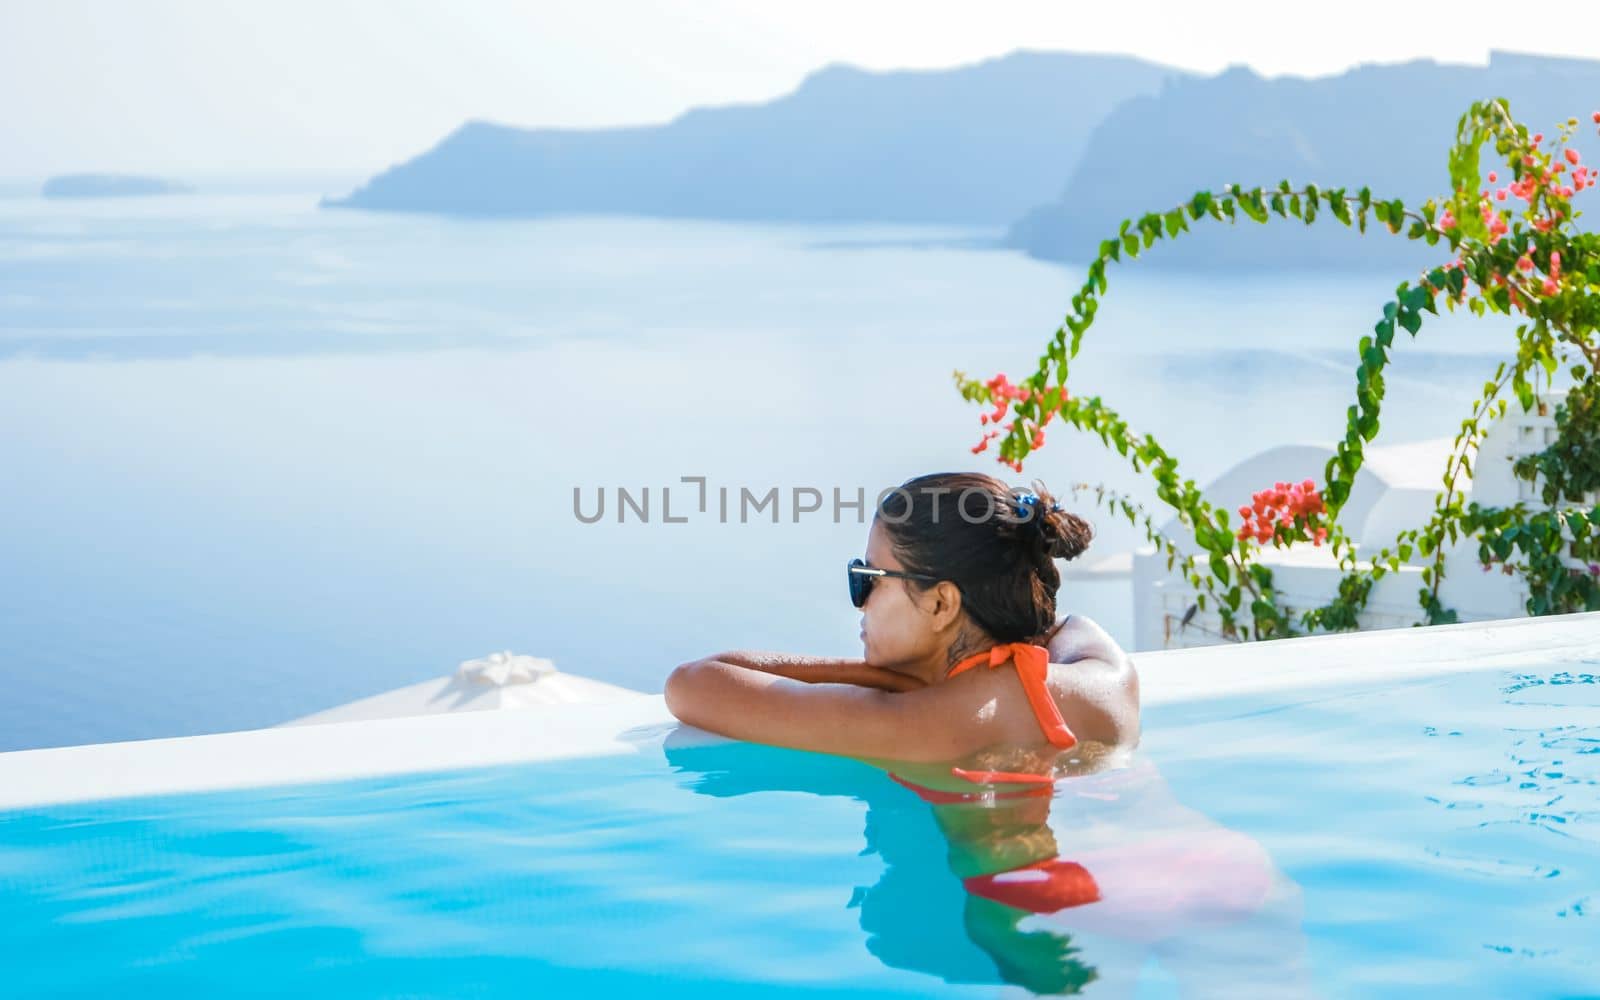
(1033, 667)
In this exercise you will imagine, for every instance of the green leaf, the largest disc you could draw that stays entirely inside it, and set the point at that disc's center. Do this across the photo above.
(1397, 215)
(1385, 331)
(1220, 568)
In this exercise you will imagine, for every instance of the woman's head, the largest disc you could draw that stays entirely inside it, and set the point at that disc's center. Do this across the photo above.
(990, 553)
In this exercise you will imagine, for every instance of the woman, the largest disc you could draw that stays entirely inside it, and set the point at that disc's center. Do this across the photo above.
(959, 575)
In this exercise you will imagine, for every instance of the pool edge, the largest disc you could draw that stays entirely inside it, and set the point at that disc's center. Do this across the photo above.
(343, 750)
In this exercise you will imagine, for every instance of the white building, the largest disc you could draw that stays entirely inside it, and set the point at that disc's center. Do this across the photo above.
(1394, 490)
(503, 680)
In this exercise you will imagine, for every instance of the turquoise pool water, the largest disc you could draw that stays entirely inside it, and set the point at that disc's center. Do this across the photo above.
(1434, 838)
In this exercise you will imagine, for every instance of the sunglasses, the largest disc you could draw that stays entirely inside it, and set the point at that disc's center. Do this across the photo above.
(863, 576)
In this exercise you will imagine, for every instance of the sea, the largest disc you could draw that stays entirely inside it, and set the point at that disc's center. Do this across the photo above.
(259, 458)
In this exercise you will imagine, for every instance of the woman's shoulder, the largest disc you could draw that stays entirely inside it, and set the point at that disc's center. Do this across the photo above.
(1094, 682)
(1078, 637)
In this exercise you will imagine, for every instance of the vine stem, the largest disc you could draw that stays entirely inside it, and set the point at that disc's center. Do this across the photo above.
(1464, 443)
(1547, 342)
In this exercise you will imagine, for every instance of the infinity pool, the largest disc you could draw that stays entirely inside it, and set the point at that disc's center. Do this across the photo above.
(1430, 837)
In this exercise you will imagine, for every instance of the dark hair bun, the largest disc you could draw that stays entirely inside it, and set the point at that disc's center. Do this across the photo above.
(1065, 535)
(997, 544)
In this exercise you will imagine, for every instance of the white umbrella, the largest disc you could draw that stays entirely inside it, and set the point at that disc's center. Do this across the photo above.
(499, 680)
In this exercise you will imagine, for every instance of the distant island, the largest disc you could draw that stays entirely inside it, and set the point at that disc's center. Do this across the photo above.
(977, 144)
(109, 186)
(1053, 148)
(1387, 127)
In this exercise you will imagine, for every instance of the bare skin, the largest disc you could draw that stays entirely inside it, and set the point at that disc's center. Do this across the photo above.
(895, 703)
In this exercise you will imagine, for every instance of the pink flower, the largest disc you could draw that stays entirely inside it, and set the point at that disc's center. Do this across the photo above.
(1281, 504)
(1572, 155)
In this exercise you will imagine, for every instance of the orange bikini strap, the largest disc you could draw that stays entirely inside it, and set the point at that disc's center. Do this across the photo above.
(1033, 667)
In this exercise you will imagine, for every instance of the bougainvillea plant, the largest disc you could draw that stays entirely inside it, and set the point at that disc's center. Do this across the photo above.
(1513, 249)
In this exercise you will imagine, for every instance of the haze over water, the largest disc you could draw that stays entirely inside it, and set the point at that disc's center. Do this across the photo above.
(260, 459)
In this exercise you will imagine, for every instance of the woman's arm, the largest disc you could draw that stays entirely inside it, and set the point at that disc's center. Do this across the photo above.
(819, 669)
(932, 723)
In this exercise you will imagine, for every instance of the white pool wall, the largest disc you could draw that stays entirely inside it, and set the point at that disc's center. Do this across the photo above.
(337, 751)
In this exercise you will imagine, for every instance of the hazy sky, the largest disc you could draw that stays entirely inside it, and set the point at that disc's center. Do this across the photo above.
(187, 87)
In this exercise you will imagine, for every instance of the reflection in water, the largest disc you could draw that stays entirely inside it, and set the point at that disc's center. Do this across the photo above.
(978, 886)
